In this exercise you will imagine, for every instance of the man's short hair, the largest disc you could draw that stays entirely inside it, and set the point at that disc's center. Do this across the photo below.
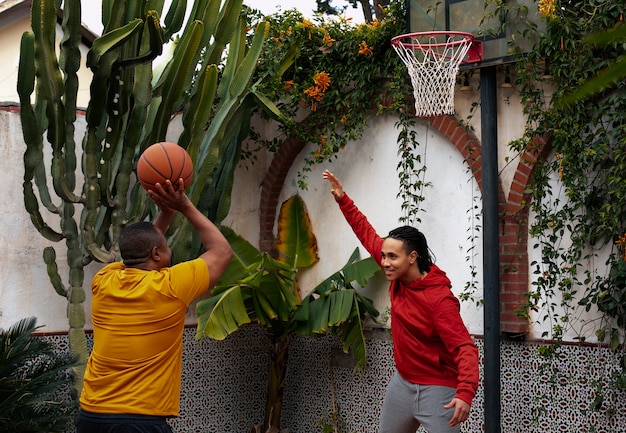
(137, 240)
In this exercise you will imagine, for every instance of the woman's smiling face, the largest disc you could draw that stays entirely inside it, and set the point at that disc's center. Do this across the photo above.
(395, 261)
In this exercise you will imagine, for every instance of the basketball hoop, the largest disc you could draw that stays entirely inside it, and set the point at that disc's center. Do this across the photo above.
(433, 60)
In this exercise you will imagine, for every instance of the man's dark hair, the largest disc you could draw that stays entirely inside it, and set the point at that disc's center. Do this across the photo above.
(414, 240)
(137, 240)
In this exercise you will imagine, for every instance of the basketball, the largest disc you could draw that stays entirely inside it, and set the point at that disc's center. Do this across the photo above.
(163, 161)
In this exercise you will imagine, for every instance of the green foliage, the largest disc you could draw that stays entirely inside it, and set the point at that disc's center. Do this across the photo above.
(335, 307)
(341, 74)
(296, 243)
(35, 381)
(573, 93)
(207, 71)
(411, 169)
(259, 288)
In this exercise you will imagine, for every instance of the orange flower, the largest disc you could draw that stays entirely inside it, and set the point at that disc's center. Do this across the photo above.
(328, 41)
(288, 84)
(365, 50)
(621, 243)
(322, 80)
(547, 8)
(306, 24)
(316, 92)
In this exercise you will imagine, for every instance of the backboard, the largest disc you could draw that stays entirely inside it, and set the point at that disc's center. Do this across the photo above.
(479, 17)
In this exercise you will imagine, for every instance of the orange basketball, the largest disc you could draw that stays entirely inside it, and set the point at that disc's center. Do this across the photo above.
(163, 161)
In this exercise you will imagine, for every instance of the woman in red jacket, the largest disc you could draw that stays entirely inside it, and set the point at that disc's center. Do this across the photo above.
(436, 359)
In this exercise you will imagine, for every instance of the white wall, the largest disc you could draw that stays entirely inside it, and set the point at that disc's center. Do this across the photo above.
(580, 323)
(367, 169)
(25, 289)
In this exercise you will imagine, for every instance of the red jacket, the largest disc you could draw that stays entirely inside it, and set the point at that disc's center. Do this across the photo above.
(431, 343)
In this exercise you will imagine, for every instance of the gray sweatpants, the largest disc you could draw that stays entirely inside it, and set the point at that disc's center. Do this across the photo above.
(407, 406)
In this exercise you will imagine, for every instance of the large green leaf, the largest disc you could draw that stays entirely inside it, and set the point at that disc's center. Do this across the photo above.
(225, 317)
(244, 255)
(319, 312)
(353, 339)
(340, 306)
(266, 293)
(606, 77)
(295, 240)
(334, 306)
(354, 270)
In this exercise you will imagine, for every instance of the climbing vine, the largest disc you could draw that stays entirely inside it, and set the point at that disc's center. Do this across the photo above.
(411, 169)
(342, 73)
(577, 192)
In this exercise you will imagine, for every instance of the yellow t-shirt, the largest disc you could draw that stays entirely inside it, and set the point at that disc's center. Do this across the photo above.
(138, 321)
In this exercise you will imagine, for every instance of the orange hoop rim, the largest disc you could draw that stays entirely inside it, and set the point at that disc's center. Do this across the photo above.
(475, 52)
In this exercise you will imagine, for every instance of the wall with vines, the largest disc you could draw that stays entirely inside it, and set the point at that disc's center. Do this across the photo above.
(577, 189)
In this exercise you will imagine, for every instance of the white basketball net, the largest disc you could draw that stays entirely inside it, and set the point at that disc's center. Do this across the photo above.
(433, 61)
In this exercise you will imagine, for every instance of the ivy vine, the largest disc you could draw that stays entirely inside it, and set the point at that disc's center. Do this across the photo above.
(341, 75)
(579, 192)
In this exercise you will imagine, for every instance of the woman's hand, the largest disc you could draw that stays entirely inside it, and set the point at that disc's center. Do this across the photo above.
(461, 411)
(335, 185)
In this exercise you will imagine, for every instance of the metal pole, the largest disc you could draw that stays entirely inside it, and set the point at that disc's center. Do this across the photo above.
(491, 249)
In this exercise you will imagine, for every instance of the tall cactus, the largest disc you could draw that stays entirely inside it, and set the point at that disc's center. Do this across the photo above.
(131, 106)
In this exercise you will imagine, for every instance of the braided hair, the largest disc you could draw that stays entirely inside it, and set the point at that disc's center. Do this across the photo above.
(414, 240)
(136, 242)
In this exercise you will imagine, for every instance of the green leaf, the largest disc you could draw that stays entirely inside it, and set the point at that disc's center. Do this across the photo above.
(606, 78)
(319, 313)
(358, 271)
(335, 306)
(244, 254)
(270, 108)
(225, 317)
(295, 240)
(351, 334)
(340, 306)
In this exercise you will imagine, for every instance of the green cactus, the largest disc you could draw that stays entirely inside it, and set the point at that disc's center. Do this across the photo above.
(131, 106)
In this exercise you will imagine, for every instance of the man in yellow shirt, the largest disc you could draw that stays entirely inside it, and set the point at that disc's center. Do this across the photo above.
(132, 380)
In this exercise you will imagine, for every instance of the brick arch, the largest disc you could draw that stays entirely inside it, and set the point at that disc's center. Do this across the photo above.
(513, 236)
(271, 189)
(514, 266)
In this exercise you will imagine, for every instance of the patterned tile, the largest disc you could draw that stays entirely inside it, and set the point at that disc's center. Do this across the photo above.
(224, 385)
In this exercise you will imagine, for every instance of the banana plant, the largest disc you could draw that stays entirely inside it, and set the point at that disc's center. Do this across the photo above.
(132, 102)
(259, 288)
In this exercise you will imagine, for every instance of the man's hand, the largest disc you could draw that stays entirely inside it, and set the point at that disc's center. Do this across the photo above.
(461, 411)
(168, 198)
(336, 188)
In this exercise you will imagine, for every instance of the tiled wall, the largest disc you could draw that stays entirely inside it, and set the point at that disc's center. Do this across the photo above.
(224, 387)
